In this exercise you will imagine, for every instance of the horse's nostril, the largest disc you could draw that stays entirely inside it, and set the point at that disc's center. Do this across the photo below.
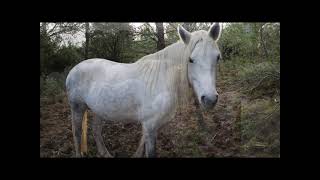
(202, 98)
(209, 101)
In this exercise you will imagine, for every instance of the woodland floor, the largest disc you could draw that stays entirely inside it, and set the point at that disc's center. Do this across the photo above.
(183, 136)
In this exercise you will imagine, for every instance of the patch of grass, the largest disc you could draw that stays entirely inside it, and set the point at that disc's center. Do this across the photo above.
(188, 144)
(259, 127)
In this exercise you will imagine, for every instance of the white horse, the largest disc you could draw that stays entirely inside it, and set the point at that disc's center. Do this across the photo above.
(147, 91)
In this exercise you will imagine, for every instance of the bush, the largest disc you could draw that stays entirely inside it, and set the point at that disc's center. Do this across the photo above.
(236, 41)
(53, 85)
(65, 56)
(259, 85)
(260, 79)
(54, 58)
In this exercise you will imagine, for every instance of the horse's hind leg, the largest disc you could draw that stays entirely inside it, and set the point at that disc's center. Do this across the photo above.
(97, 130)
(77, 112)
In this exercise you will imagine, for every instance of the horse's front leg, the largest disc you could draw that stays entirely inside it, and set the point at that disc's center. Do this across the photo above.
(150, 141)
(161, 107)
(140, 151)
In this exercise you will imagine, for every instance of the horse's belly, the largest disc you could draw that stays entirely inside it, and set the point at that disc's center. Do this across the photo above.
(116, 101)
(124, 116)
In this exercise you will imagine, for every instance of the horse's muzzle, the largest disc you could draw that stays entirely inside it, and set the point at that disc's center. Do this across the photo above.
(209, 101)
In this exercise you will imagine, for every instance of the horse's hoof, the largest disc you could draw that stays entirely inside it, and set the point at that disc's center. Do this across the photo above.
(106, 155)
(84, 155)
(137, 156)
(76, 156)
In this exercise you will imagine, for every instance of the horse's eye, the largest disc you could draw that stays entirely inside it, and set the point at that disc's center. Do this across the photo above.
(190, 60)
(218, 57)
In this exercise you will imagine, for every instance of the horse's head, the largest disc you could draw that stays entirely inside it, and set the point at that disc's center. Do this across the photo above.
(203, 59)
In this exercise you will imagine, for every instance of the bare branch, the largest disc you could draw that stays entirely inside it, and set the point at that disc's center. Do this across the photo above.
(64, 28)
(54, 27)
(150, 27)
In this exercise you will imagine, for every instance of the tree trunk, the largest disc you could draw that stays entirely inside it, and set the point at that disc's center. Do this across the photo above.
(263, 42)
(86, 52)
(160, 36)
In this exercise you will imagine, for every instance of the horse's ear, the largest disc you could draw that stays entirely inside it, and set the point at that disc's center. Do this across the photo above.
(184, 34)
(214, 31)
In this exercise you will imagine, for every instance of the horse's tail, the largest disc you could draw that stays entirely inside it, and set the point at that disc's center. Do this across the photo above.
(84, 146)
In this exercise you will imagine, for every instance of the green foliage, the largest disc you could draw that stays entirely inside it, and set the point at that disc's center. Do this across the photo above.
(251, 66)
(47, 50)
(251, 52)
(262, 79)
(64, 57)
(238, 40)
(271, 36)
(145, 42)
(111, 41)
(172, 35)
(55, 58)
(251, 40)
(51, 86)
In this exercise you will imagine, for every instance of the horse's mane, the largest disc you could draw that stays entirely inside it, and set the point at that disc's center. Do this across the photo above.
(172, 63)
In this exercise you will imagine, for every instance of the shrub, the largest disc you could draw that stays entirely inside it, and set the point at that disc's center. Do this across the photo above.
(65, 56)
(53, 84)
(51, 87)
(260, 79)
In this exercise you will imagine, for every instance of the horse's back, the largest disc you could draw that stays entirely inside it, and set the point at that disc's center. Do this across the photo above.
(84, 74)
(85, 70)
